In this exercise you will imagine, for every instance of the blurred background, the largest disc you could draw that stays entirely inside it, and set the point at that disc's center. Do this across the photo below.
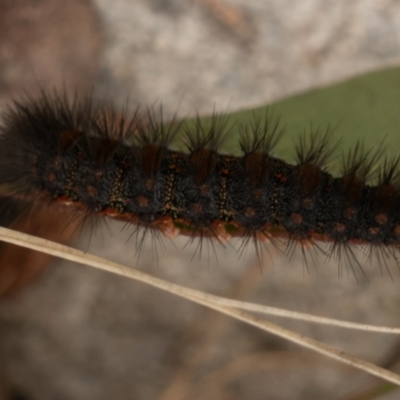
(75, 333)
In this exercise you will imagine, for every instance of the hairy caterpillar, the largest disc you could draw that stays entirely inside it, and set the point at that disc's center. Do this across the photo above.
(85, 156)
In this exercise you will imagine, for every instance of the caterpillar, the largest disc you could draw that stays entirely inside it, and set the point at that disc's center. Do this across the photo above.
(83, 155)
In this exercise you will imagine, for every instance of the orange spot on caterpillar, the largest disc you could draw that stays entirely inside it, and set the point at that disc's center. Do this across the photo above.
(34, 159)
(381, 219)
(149, 184)
(374, 230)
(340, 228)
(204, 189)
(142, 201)
(51, 177)
(258, 194)
(349, 213)
(57, 162)
(98, 174)
(282, 178)
(91, 191)
(250, 212)
(297, 218)
(197, 208)
(307, 203)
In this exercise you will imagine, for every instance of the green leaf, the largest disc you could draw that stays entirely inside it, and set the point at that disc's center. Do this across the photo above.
(366, 108)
